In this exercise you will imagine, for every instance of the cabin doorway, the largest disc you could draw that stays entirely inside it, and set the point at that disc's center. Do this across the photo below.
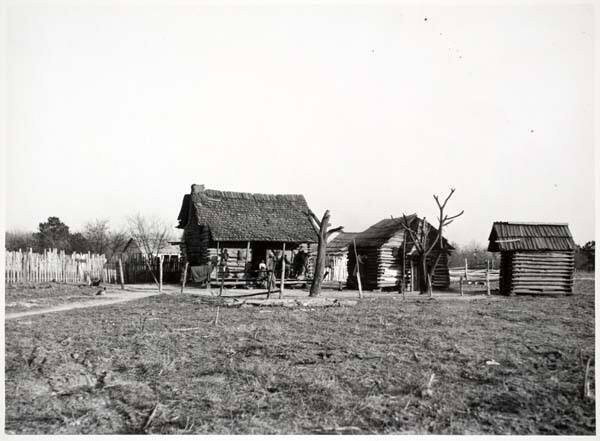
(258, 254)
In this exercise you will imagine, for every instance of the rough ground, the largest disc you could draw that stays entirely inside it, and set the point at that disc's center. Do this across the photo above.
(183, 364)
(45, 298)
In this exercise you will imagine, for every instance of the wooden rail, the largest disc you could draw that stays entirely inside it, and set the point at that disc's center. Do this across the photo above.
(473, 275)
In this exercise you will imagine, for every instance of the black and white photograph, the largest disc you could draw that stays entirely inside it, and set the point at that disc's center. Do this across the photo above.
(303, 218)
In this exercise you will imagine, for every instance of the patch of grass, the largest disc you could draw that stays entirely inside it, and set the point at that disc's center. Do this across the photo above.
(160, 365)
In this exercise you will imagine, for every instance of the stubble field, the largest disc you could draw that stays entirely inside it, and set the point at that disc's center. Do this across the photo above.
(182, 364)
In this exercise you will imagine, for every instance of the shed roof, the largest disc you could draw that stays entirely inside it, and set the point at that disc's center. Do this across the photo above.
(382, 231)
(168, 249)
(528, 236)
(340, 242)
(234, 216)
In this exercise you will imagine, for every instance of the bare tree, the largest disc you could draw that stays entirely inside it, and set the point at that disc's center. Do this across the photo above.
(421, 240)
(151, 234)
(96, 232)
(15, 240)
(323, 232)
(102, 239)
(117, 239)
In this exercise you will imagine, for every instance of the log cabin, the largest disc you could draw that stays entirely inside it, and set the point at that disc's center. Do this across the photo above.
(535, 258)
(241, 230)
(337, 257)
(388, 258)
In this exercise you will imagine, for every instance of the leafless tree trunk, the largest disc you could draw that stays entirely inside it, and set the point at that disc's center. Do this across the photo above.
(151, 235)
(321, 227)
(420, 238)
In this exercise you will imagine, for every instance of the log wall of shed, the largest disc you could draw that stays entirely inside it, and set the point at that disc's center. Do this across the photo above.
(441, 276)
(528, 272)
(368, 271)
(195, 244)
(383, 267)
(389, 262)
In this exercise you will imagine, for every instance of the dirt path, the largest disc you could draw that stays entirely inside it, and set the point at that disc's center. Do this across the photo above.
(109, 298)
(135, 292)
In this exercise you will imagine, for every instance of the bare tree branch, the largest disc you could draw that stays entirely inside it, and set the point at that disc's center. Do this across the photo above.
(446, 201)
(408, 228)
(334, 230)
(455, 216)
(314, 217)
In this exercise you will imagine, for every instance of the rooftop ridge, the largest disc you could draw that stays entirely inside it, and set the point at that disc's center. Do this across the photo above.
(563, 224)
(246, 195)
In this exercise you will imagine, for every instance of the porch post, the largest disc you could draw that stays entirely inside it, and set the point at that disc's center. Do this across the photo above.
(281, 288)
(247, 259)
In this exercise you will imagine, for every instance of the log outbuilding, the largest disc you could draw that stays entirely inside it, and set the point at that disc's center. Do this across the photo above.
(536, 258)
(388, 258)
(337, 257)
(241, 231)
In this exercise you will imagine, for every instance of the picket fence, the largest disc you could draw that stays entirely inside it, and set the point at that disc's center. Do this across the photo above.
(55, 265)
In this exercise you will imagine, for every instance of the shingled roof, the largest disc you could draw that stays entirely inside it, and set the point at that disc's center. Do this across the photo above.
(233, 216)
(525, 236)
(340, 242)
(382, 231)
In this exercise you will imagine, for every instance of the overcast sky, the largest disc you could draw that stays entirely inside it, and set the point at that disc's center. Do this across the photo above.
(117, 108)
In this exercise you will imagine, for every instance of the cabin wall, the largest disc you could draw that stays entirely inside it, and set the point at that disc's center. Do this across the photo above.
(195, 244)
(368, 271)
(340, 267)
(337, 265)
(441, 276)
(529, 272)
(389, 262)
(235, 266)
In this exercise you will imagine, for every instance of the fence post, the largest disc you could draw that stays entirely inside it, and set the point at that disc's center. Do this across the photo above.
(461, 285)
(466, 270)
(121, 277)
(30, 262)
(282, 281)
(487, 281)
(185, 276)
(160, 273)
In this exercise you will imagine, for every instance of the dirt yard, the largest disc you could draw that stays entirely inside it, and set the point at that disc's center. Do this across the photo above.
(43, 295)
(184, 364)
(40, 298)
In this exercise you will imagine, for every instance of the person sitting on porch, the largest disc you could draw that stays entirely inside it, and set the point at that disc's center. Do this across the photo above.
(262, 273)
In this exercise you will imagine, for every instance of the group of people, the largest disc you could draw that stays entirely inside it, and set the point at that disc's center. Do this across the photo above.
(268, 269)
(271, 268)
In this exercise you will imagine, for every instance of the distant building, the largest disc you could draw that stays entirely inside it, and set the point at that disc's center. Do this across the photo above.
(381, 251)
(536, 258)
(132, 249)
(337, 257)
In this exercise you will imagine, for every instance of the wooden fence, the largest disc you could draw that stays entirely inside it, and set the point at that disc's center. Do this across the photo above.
(135, 269)
(54, 265)
(473, 275)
